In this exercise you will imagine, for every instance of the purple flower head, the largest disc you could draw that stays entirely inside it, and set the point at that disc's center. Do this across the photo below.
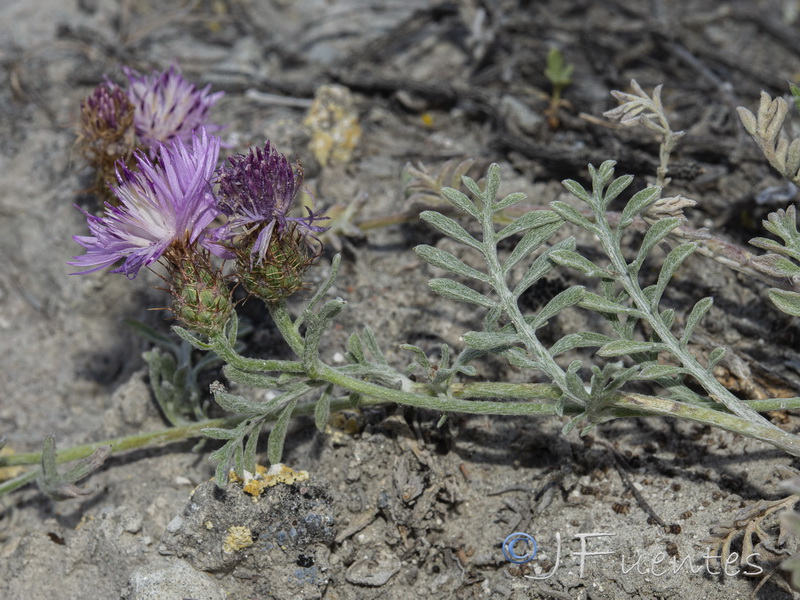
(257, 191)
(162, 204)
(167, 107)
(107, 112)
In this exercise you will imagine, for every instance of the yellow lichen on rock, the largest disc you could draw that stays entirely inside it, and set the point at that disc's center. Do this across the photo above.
(333, 123)
(255, 483)
(238, 538)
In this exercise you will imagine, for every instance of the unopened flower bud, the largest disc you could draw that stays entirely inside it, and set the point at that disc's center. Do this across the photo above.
(280, 273)
(202, 299)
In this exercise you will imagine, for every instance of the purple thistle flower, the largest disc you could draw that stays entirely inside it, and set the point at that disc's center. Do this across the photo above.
(106, 112)
(167, 107)
(258, 190)
(162, 204)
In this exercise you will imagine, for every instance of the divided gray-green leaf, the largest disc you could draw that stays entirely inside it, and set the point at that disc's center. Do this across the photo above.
(278, 433)
(460, 200)
(615, 189)
(577, 190)
(582, 339)
(217, 433)
(772, 246)
(562, 300)
(573, 215)
(716, 355)
(574, 383)
(517, 357)
(450, 228)
(355, 349)
(699, 310)
(655, 371)
(322, 409)
(541, 266)
(531, 220)
(657, 232)
(602, 175)
(573, 260)
(249, 378)
(628, 347)
(530, 242)
(323, 289)
(509, 200)
(238, 404)
(786, 301)
(668, 317)
(448, 262)
(488, 340)
(472, 186)
(222, 456)
(458, 291)
(637, 204)
(421, 358)
(250, 448)
(671, 264)
(492, 183)
(373, 347)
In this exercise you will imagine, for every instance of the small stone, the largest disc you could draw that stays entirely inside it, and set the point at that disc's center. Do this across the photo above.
(373, 572)
(175, 524)
(177, 580)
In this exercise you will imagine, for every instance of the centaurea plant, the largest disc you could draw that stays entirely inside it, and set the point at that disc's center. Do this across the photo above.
(255, 192)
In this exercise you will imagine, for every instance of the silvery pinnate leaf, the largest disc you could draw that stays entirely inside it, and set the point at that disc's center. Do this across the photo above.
(716, 355)
(61, 486)
(573, 215)
(699, 310)
(637, 108)
(569, 297)
(577, 190)
(278, 434)
(582, 339)
(573, 260)
(355, 350)
(509, 200)
(373, 347)
(638, 204)
(660, 371)
(450, 228)
(460, 200)
(615, 189)
(448, 262)
(492, 183)
(530, 242)
(628, 347)
(541, 266)
(458, 291)
(488, 340)
(322, 409)
(655, 234)
(599, 304)
(531, 220)
(671, 264)
(237, 405)
(786, 301)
